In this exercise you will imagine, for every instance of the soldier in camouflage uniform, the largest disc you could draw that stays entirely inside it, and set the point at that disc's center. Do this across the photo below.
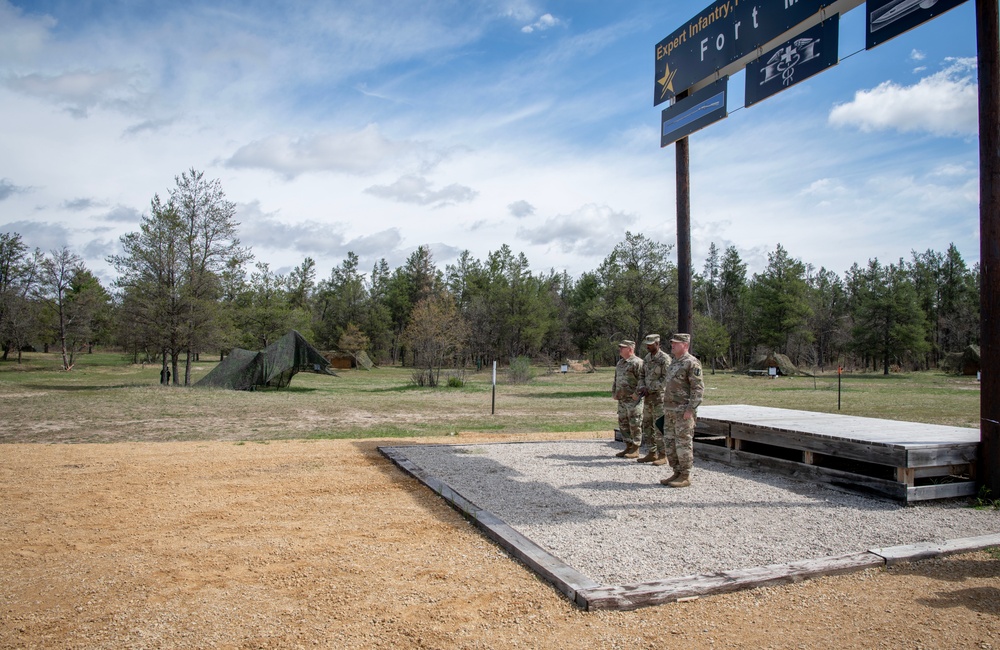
(683, 395)
(625, 389)
(652, 381)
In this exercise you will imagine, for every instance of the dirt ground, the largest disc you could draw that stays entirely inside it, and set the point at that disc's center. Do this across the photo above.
(326, 544)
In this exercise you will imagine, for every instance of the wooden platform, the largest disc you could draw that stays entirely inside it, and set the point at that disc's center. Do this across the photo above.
(906, 461)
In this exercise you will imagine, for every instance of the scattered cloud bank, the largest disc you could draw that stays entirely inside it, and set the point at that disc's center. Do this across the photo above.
(417, 190)
(8, 189)
(272, 231)
(360, 153)
(78, 205)
(942, 104)
(40, 234)
(80, 91)
(591, 229)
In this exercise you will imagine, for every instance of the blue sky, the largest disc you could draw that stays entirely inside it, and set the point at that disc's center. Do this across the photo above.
(469, 124)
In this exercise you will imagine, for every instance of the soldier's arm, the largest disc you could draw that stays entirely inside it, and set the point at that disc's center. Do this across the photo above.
(697, 384)
(634, 372)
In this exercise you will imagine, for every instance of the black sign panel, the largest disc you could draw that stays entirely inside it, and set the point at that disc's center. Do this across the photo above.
(890, 18)
(722, 33)
(695, 112)
(809, 53)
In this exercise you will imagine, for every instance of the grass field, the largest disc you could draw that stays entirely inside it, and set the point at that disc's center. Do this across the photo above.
(106, 399)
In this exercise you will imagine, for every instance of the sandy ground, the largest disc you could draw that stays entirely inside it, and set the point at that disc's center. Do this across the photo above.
(326, 544)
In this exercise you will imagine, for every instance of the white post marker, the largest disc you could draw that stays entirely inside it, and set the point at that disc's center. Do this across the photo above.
(493, 408)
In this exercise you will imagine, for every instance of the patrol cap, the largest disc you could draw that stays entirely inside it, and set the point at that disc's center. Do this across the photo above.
(627, 344)
(651, 339)
(680, 338)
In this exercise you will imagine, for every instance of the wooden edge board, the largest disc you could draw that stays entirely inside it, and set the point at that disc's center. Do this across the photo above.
(659, 592)
(925, 550)
(562, 576)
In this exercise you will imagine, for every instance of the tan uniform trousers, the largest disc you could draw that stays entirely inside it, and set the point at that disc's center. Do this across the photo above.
(678, 435)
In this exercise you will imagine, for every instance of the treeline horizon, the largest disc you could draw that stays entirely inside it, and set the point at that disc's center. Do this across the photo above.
(186, 286)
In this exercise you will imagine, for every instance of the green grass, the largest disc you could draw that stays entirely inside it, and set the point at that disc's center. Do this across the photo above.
(106, 399)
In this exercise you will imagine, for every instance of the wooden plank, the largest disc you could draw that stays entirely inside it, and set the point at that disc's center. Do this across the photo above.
(711, 427)
(625, 597)
(882, 455)
(905, 475)
(913, 552)
(941, 491)
(832, 477)
(713, 452)
(943, 470)
(925, 456)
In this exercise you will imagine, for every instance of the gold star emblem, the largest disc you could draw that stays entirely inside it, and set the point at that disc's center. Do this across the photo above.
(667, 81)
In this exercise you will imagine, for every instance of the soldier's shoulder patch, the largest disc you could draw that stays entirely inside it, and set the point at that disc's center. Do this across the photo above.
(696, 371)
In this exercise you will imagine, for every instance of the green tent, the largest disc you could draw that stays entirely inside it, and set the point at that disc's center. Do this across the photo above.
(273, 366)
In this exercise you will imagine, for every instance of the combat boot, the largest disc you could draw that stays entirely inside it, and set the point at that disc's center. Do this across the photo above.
(673, 477)
(683, 480)
(648, 458)
(661, 459)
(632, 451)
(621, 454)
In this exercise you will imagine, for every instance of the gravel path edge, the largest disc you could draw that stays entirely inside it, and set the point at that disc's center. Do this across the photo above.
(591, 595)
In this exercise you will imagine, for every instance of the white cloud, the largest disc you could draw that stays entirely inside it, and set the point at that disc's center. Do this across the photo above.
(274, 232)
(521, 209)
(81, 90)
(361, 152)
(544, 22)
(825, 187)
(519, 10)
(591, 229)
(8, 189)
(943, 104)
(123, 214)
(78, 205)
(99, 249)
(417, 190)
(39, 234)
(22, 37)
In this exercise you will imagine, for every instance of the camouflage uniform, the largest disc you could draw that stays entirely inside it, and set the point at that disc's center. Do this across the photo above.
(626, 384)
(684, 390)
(654, 379)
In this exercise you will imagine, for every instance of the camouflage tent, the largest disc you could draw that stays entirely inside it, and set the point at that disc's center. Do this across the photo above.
(966, 362)
(273, 366)
(775, 360)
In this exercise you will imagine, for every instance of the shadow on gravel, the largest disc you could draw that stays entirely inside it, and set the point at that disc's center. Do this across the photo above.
(534, 500)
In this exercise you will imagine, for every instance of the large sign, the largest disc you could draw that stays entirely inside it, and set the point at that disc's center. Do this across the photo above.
(809, 53)
(890, 18)
(701, 108)
(722, 33)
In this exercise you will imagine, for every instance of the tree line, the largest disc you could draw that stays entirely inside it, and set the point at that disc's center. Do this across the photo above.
(187, 286)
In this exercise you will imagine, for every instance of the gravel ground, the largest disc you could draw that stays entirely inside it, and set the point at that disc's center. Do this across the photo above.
(610, 519)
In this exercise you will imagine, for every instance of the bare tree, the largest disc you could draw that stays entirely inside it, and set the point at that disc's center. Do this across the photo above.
(75, 297)
(436, 333)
